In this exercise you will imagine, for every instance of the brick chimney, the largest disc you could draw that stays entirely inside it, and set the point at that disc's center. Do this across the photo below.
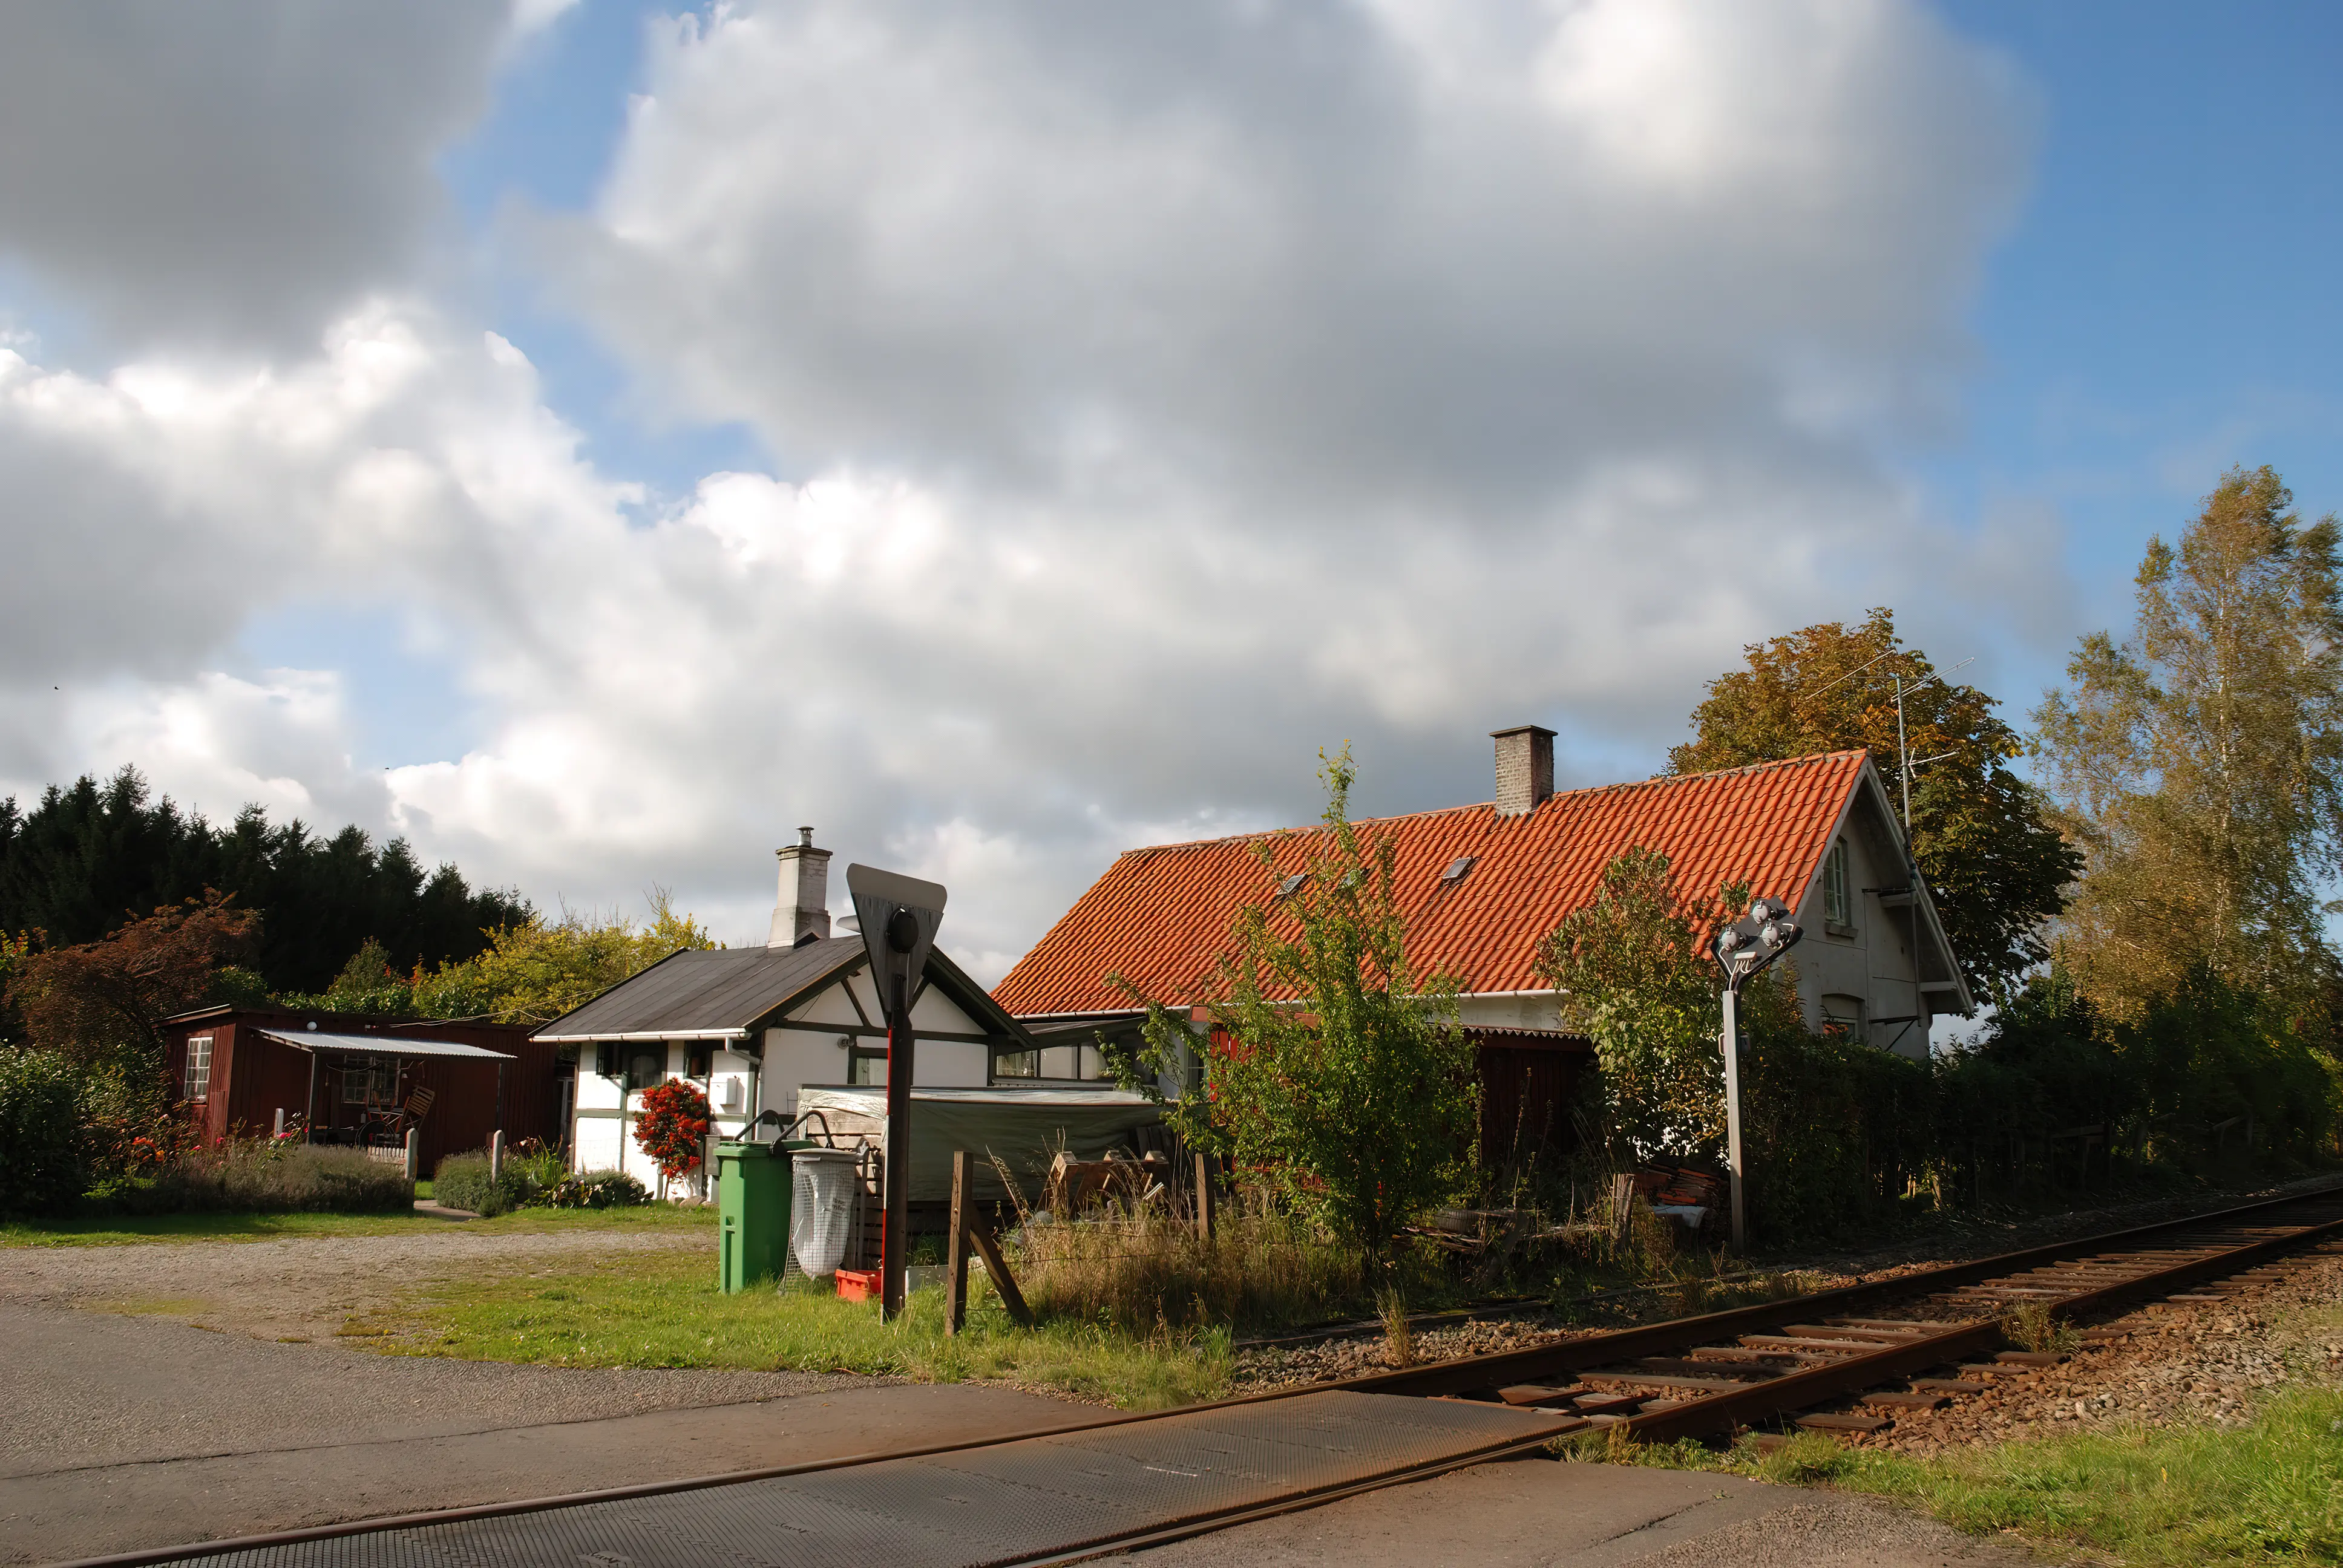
(1524, 769)
(802, 909)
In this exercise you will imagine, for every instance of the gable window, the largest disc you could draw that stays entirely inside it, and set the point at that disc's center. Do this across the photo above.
(199, 1067)
(1838, 906)
(1843, 1013)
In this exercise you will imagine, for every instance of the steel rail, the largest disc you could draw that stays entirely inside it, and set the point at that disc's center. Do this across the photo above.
(1471, 1374)
(2106, 1285)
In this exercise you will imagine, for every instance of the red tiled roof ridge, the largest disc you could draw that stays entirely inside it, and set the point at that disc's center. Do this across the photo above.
(1657, 779)
(1160, 916)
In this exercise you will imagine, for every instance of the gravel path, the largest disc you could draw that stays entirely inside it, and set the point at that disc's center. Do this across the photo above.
(301, 1288)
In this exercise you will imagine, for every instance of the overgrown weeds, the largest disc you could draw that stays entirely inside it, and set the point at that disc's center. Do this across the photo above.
(262, 1176)
(2034, 1326)
(1258, 1270)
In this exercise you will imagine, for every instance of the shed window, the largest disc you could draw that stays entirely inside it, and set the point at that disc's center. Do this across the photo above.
(646, 1065)
(1838, 909)
(199, 1067)
(699, 1058)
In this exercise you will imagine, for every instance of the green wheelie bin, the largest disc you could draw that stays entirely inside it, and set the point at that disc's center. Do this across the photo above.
(752, 1202)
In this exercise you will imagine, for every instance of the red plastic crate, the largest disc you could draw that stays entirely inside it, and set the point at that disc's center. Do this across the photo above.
(858, 1284)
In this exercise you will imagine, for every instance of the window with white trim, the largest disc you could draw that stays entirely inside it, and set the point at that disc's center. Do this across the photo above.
(1838, 906)
(199, 1067)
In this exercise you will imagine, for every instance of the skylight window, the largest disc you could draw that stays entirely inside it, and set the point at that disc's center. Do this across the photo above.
(1292, 884)
(1458, 869)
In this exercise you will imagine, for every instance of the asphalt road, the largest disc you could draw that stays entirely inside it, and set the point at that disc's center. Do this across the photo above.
(124, 1432)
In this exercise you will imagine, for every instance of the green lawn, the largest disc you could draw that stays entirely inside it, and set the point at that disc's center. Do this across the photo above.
(663, 1310)
(109, 1231)
(2267, 1492)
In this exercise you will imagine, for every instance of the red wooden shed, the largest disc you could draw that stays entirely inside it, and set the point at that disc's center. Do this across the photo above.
(361, 1080)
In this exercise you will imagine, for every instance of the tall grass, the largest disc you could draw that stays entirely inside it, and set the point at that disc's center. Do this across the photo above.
(262, 1176)
(1149, 1271)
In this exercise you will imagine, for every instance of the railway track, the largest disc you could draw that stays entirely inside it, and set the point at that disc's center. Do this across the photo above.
(1912, 1342)
(1117, 1483)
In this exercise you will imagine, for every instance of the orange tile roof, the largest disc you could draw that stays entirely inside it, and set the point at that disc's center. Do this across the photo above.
(1161, 916)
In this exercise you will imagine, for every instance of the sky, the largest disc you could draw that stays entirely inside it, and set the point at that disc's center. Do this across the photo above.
(593, 439)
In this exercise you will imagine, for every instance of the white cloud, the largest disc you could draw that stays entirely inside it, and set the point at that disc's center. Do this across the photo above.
(1166, 392)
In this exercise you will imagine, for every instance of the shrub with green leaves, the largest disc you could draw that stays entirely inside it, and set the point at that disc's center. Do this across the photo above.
(462, 1181)
(592, 1189)
(43, 1156)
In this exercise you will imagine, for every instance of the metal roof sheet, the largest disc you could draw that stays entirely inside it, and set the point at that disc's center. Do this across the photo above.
(380, 1044)
(1160, 917)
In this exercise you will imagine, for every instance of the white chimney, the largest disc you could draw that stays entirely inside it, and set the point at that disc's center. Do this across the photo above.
(1524, 769)
(802, 908)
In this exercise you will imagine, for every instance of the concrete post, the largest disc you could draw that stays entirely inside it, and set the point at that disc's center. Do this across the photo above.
(414, 1152)
(1731, 1044)
(497, 1155)
(278, 1130)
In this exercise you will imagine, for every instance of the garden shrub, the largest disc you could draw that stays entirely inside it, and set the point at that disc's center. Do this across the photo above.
(261, 1175)
(592, 1189)
(462, 1181)
(44, 1154)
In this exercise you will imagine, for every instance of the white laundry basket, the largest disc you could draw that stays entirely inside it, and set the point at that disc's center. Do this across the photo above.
(821, 1208)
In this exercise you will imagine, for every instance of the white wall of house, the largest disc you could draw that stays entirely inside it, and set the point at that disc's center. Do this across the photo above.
(1862, 969)
(739, 1087)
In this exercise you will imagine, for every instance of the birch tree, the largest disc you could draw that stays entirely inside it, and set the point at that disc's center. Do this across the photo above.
(2198, 762)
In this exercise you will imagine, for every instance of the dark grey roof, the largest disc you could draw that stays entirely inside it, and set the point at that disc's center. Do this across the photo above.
(731, 990)
(723, 992)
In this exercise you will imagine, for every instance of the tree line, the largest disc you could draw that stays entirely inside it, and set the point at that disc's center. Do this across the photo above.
(90, 857)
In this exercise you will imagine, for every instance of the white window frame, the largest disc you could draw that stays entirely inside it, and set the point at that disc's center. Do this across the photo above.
(1838, 904)
(199, 1067)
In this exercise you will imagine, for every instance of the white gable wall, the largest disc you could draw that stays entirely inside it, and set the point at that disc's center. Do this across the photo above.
(739, 1087)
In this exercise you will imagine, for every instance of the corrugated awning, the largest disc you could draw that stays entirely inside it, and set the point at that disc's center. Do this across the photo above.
(381, 1045)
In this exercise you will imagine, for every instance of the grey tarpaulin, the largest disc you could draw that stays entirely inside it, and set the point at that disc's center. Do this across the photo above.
(1024, 1127)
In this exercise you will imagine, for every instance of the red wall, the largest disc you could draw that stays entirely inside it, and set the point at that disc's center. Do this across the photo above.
(252, 1077)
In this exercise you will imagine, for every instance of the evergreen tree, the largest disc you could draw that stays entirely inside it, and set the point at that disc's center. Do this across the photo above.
(91, 856)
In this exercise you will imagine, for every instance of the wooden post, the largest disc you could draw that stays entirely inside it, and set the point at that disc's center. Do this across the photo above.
(956, 1255)
(414, 1152)
(979, 1236)
(497, 1155)
(310, 1109)
(1206, 1200)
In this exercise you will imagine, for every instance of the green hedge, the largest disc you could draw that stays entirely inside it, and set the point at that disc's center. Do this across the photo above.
(462, 1181)
(534, 1180)
(44, 1151)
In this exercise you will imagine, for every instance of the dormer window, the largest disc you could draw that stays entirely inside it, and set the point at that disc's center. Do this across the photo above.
(1838, 904)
